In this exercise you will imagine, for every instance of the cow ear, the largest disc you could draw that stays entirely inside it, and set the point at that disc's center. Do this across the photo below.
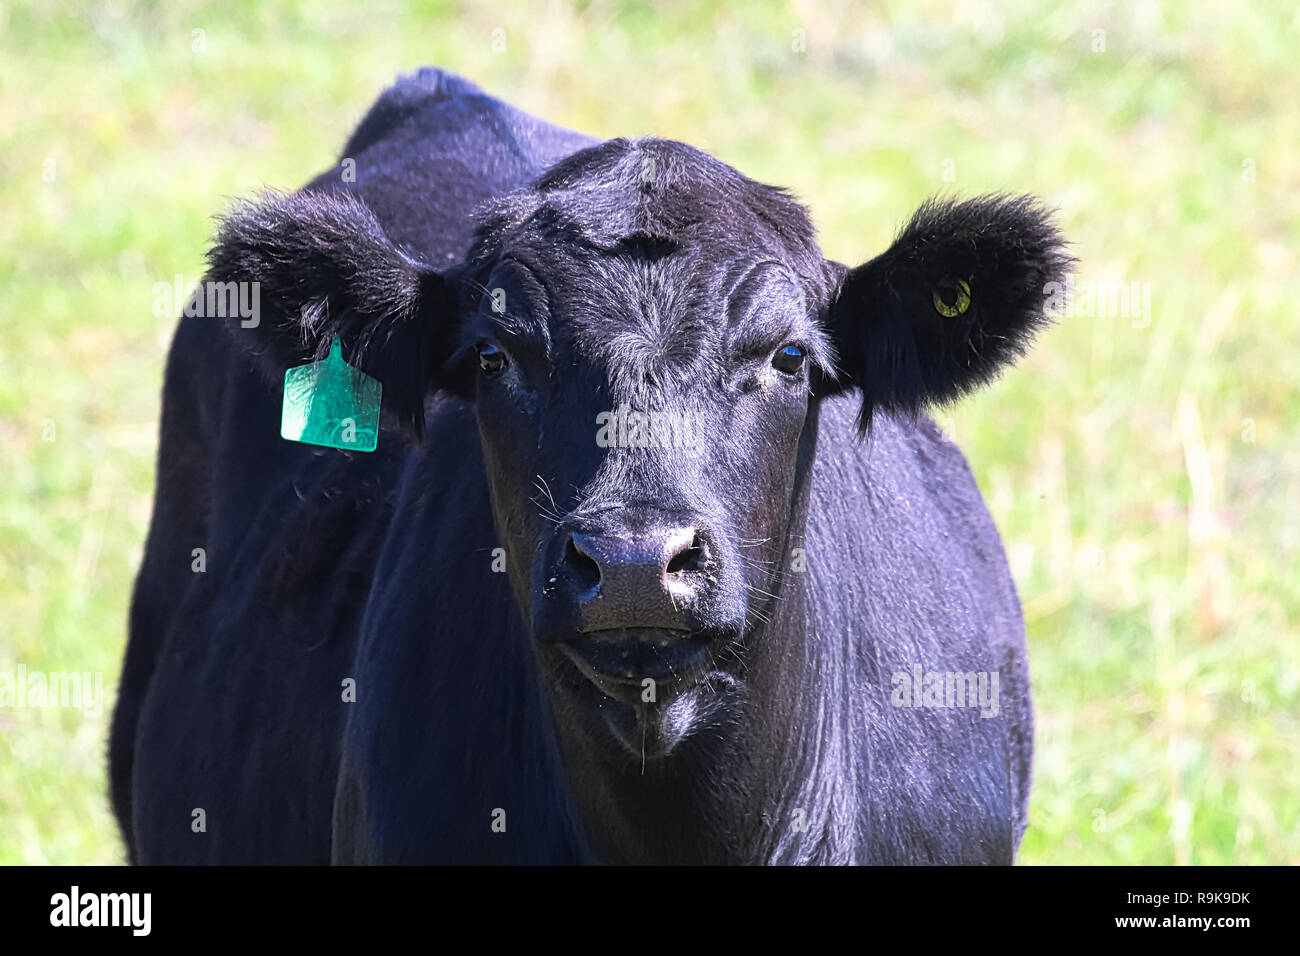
(959, 295)
(320, 266)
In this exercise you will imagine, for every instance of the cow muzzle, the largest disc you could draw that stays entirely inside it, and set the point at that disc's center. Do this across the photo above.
(626, 606)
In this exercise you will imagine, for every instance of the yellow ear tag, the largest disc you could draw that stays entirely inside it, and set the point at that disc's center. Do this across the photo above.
(330, 403)
(951, 297)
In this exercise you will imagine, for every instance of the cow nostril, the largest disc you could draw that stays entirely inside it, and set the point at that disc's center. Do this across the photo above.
(690, 558)
(582, 566)
(623, 580)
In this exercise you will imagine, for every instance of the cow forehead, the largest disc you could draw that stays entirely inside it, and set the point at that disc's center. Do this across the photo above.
(653, 200)
(645, 318)
(636, 258)
(643, 314)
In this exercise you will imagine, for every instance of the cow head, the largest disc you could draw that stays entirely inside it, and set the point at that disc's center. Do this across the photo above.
(645, 335)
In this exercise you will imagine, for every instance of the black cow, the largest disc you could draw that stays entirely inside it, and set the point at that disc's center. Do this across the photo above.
(658, 559)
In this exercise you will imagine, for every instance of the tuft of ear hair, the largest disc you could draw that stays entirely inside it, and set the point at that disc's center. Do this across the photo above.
(324, 267)
(959, 295)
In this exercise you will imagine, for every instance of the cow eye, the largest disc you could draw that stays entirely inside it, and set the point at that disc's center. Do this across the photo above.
(788, 359)
(491, 358)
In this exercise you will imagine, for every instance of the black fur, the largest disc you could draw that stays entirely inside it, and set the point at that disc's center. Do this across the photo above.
(633, 272)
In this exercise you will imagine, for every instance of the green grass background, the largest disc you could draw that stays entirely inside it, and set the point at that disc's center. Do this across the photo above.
(1145, 478)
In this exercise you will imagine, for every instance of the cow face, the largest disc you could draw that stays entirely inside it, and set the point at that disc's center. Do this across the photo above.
(644, 334)
(641, 357)
(640, 411)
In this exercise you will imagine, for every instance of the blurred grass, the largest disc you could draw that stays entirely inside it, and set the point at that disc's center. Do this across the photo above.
(1144, 478)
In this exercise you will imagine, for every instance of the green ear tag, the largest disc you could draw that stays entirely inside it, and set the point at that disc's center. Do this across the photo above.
(331, 403)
